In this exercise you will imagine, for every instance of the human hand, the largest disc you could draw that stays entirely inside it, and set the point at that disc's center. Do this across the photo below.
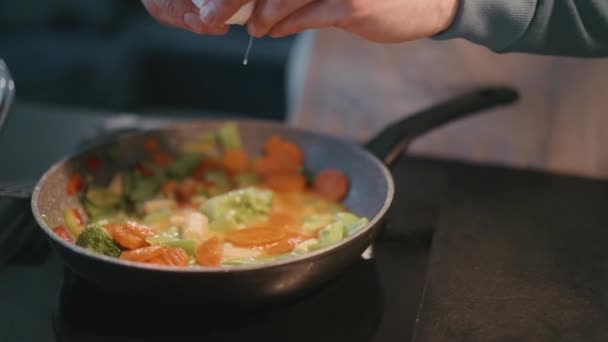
(386, 21)
(183, 14)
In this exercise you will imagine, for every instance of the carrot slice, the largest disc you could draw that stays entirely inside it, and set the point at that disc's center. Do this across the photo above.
(131, 235)
(78, 217)
(187, 189)
(257, 236)
(139, 230)
(286, 245)
(267, 166)
(209, 253)
(173, 256)
(281, 221)
(142, 254)
(161, 159)
(128, 240)
(160, 255)
(286, 182)
(111, 227)
(62, 233)
(170, 187)
(331, 184)
(74, 185)
(235, 161)
(278, 147)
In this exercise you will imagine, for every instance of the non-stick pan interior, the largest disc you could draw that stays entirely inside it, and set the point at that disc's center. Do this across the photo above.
(371, 184)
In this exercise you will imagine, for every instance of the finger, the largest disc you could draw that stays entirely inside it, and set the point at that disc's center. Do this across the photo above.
(314, 15)
(270, 12)
(171, 12)
(196, 25)
(215, 13)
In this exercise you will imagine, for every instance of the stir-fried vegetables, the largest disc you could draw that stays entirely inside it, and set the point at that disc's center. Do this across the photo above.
(211, 204)
(96, 239)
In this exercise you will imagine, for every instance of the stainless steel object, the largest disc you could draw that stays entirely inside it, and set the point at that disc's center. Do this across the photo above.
(7, 92)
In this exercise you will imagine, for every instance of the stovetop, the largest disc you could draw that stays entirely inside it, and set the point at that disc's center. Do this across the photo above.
(375, 300)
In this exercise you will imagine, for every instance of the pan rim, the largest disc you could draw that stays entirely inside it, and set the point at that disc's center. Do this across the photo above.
(224, 268)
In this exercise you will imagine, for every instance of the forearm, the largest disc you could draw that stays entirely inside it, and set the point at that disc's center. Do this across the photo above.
(555, 27)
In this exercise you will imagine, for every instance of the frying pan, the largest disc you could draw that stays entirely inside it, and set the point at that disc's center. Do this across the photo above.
(370, 195)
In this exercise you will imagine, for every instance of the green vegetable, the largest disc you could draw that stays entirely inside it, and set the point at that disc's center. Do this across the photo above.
(351, 221)
(219, 178)
(183, 165)
(315, 221)
(255, 261)
(198, 200)
(144, 189)
(102, 197)
(229, 136)
(158, 173)
(335, 208)
(188, 245)
(242, 206)
(207, 138)
(329, 235)
(128, 184)
(157, 216)
(72, 222)
(246, 179)
(243, 261)
(96, 239)
(224, 224)
(114, 153)
(97, 213)
(203, 145)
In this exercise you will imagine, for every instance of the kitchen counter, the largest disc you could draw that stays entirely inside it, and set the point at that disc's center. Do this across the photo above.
(517, 256)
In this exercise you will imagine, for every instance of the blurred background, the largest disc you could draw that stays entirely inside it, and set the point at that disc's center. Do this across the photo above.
(111, 55)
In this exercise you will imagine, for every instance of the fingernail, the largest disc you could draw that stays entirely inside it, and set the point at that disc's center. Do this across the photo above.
(207, 13)
(193, 22)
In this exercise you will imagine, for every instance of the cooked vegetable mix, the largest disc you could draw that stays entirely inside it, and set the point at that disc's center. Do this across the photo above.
(210, 205)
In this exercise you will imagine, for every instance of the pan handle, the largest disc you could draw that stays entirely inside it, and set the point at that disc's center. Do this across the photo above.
(393, 140)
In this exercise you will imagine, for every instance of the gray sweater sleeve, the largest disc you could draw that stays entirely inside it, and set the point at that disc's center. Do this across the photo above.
(548, 27)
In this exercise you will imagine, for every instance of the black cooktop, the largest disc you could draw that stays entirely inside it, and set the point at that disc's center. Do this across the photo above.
(375, 300)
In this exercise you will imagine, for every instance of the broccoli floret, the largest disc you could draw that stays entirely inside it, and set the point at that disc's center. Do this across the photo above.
(96, 239)
(239, 206)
